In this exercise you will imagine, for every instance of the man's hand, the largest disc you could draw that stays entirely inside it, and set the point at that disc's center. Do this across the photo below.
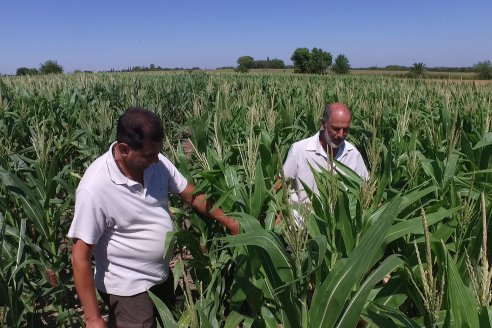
(203, 206)
(278, 218)
(234, 227)
(98, 322)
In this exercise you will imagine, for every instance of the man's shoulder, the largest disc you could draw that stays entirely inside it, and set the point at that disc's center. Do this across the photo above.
(96, 174)
(351, 147)
(164, 164)
(305, 144)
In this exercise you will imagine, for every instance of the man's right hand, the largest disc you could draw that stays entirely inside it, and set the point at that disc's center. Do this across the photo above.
(96, 323)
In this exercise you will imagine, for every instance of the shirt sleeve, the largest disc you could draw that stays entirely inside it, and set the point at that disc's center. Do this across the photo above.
(361, 169)
(290, 164)
(177, 181)
(89, 220)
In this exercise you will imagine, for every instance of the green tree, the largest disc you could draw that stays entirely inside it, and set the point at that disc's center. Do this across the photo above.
(300, 58)
(417, 70)
(341, 65)
(319, 62)
(242, 69)
(246, 61)
(277, 63)
(21, 71)
(316, 62)
(51, 67)
(483, 70)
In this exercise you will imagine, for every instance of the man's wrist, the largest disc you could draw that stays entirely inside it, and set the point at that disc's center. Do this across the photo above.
(93, 317)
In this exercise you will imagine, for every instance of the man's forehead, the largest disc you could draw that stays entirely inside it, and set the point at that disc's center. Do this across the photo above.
(339, 124)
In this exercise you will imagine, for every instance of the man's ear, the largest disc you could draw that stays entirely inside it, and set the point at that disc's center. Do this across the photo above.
(123, 148)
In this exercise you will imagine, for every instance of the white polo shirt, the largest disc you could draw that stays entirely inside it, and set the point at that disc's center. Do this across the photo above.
(309, 151)
(127, 222)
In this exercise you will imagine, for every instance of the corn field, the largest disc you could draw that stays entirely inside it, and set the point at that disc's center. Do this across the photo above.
(407, 248)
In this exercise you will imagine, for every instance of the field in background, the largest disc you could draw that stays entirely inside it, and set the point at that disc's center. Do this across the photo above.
(455, 76)
(405, 248)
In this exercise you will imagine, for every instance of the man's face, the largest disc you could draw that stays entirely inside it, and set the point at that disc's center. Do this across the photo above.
(140, 159)
(337, 127)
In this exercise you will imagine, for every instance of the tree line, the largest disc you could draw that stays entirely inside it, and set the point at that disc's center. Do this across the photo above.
(48, 67)
(315, 61)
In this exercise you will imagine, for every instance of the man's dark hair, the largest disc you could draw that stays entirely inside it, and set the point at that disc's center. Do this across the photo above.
(136, 125)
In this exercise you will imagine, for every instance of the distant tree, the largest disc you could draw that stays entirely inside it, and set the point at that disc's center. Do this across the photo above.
(277, 63)
(316, 62)
(319, 62)
(259, 64)
(269, 63)
(396, 68)
(242, 69)
(341, 65)
(246, 61)
(300, 58)
(21, 71)
(417, 70)
(483, 70)
(50, 67)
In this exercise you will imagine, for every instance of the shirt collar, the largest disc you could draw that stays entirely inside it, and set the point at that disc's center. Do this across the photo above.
(114, 172)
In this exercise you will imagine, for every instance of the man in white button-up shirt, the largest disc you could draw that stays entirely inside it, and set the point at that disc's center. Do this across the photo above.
(313, 152)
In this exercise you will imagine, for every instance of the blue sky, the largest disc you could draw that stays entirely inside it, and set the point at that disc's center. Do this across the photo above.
(100, 35)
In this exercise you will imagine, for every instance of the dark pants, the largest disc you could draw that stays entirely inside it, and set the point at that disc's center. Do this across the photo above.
(139, 310)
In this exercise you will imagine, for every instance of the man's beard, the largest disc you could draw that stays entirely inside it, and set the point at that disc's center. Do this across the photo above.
(329, 141)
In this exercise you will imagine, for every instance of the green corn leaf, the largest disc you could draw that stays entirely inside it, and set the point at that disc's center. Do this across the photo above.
(260, 192)
(484, 142)
(222, 199)
(486, 316)
(268, 318)
(277, 266)
(204, 320)
(394, 317)
(248, 222)
(462, 305)
(354, 308)
(164, 313)
(234, 320)
(414, 226)
(407, 200)
(345, 223)
(268, 241)
(330, 297)
(31, 205)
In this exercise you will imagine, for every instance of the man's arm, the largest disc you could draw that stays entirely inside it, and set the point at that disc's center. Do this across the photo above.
(203, 206)
(83, 277)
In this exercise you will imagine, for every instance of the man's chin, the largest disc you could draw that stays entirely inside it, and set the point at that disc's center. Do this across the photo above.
(334, 145)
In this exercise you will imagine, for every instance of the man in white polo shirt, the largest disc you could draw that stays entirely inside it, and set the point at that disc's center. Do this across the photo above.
(313, 151)
(122, 217)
